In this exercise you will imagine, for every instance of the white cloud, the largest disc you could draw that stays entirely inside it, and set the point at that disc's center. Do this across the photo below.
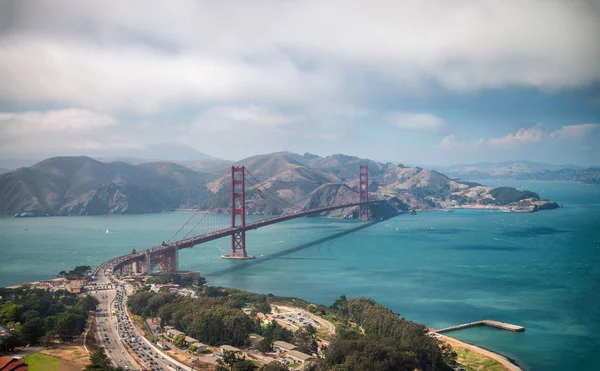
(522, 136)
(450, 142)
(251, 115)
(58, 130)
(574, 131)
(416, 121)
(140, 56)
(141, 80)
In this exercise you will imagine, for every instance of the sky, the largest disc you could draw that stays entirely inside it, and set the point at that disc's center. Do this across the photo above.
(429, 82)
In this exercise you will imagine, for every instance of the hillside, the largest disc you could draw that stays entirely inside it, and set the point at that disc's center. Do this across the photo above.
(83, 186)
(524, 170)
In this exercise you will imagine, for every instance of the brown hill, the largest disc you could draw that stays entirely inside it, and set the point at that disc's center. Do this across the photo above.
(83, 186)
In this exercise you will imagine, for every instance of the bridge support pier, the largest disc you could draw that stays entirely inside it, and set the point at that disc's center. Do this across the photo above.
(238, 208)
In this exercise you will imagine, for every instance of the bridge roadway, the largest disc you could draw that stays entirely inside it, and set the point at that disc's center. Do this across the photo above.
(196, 240)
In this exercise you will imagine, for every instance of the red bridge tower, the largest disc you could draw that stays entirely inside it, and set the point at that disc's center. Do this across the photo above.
(363, 191)
(238, 208)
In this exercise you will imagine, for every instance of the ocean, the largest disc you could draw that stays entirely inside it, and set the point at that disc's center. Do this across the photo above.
(538, 270)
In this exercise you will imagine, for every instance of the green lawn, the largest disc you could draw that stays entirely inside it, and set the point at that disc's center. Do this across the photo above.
(475, 362)
(41, 362)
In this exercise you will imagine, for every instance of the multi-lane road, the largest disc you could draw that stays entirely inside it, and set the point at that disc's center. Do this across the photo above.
(123, 343)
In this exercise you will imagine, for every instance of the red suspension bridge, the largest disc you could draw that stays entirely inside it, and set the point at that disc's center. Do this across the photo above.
(200, 228)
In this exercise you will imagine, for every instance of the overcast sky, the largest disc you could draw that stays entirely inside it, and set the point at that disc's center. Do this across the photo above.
(428, 82)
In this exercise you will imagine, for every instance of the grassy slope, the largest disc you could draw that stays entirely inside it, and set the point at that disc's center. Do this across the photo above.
(41, 362)
(476, 362)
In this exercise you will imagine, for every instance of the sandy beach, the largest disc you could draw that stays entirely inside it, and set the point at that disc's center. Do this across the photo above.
(505, 362)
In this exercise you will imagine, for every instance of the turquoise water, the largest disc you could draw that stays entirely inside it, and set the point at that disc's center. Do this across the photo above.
(539, 270)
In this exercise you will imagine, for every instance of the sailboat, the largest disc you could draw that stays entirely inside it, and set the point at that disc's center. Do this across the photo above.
(106, 230)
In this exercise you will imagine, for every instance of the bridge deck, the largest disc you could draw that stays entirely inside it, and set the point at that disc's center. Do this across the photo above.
(196, 240)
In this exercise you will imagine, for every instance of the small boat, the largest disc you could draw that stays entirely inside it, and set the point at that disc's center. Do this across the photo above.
(107, 230)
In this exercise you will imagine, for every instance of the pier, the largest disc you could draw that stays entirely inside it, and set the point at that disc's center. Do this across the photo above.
(485, 322)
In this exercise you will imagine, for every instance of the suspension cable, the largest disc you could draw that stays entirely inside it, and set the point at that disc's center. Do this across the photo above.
(204, 215)
(272, 193)
(199, 208)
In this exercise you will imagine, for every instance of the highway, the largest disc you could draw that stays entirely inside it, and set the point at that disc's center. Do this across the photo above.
(106, 326)
(116, 332)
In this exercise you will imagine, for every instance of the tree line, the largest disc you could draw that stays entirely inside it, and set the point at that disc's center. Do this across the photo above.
(39, 316)
(368, 337)
(389, 342)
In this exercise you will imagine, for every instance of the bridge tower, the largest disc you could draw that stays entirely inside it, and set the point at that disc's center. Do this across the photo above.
(363, 192)
(238, 208)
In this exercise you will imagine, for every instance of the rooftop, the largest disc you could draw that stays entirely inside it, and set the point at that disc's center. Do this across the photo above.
(299, 355)
(229, 347)
(175, 332)
(284, 345)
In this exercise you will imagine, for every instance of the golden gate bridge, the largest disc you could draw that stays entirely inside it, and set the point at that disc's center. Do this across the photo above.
(200, 229)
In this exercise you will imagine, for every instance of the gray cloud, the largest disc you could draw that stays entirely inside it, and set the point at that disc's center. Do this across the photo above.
(144, 57)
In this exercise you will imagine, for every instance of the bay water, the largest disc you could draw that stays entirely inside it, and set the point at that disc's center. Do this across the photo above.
(539, 270)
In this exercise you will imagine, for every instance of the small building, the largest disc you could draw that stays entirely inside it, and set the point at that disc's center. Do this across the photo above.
(13, 364)
(200, 347)
(229, 348)
(282, 346)
(171, 333)
(189, 340)
(297, 356)
(167, 328)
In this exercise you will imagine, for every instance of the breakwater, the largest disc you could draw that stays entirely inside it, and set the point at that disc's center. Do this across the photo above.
(485, 322)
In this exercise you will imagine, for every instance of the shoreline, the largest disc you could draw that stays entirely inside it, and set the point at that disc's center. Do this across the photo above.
(507, 362)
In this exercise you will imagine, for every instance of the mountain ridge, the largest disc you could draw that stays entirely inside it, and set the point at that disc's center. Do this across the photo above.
(80, 185)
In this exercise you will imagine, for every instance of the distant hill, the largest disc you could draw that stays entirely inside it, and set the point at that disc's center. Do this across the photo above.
(524, 170)
(84, 186)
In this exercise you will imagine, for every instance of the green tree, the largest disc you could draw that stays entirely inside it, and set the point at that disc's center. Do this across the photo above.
(201, 281)
(69, 325)
(192, 348)
(10, 312)
(265, 344)
(99, 361)
(274, 366)
(87, 303)
(32, 331)
(231, 361)
(10, 342)
(305, 339)
(244, 365)
(48, 339)
(179, 341)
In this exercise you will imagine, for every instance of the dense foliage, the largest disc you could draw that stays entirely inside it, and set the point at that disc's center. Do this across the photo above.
(389, 343)
(176, 279)
(211, 320)
(506, 195)
(77, 273)
(368, 336)
(99, 361)
(40, 317)
(232, 361)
